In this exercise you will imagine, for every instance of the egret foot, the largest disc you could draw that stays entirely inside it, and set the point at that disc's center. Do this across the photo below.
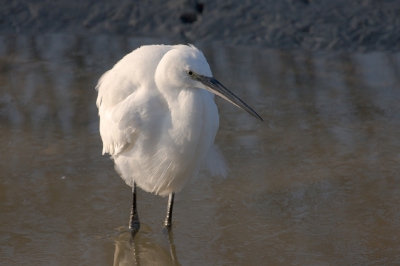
(168, 219)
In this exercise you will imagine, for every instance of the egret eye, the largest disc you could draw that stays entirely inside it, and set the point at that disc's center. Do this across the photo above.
(190, 72)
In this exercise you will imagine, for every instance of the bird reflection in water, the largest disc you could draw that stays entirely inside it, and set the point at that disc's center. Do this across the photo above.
(135, 248)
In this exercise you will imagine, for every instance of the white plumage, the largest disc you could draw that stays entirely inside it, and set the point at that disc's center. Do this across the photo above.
(158, 129)
(158, 118)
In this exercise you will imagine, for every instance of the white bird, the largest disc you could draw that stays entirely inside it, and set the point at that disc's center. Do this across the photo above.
(158, 119)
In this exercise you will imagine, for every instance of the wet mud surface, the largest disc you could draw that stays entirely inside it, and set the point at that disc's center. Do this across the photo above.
(313, 25)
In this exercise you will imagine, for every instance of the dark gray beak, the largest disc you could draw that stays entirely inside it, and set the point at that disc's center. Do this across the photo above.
(217, 88)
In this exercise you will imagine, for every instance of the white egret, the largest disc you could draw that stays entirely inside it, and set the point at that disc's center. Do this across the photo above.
(158, 119)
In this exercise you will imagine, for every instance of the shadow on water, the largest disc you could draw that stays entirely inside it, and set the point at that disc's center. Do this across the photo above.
(317, 183)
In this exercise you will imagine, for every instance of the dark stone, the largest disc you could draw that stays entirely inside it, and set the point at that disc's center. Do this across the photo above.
(188, 17)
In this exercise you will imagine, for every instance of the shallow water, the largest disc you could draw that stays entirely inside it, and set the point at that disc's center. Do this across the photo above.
(317, 183)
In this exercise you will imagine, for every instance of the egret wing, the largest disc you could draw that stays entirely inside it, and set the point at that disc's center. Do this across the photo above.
(127, 95)
(120, 125)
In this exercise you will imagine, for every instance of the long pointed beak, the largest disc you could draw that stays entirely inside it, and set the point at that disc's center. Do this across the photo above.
(217, 88)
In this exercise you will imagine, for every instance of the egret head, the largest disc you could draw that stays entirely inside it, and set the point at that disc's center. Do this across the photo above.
(173, 67)
(188, 68)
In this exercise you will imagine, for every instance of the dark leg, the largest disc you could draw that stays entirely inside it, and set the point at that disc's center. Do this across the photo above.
(134, 223)
(169, 211)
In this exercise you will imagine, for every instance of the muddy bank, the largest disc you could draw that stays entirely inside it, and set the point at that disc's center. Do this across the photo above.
(316, 25)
